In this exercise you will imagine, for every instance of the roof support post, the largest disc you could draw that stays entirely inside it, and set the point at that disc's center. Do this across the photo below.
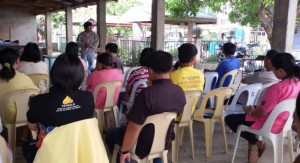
(101, 24)
(69, 24)
(284, 25)
(48, 33)
(190, 31)
(158, 24)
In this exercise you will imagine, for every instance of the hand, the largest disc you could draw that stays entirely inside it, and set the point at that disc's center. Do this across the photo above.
(125, 158)
(247, 109)
(87, 45)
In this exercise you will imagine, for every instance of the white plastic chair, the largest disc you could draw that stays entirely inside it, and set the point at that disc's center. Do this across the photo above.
(276, 139)
(41, 81)
(13, 112)
(127, 73)
(186, 120)
(161, 124)
(231, 73)
(252, 89)
(129, 103)
(209, 85)
(262, 91)
(110, 87)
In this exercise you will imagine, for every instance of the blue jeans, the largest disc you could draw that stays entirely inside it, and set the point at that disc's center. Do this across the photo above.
(89, 57)
(115, 136)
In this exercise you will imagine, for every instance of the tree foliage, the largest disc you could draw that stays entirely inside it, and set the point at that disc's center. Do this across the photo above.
(256, 13)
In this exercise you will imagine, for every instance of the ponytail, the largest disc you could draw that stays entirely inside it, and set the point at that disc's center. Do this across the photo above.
(8, 58)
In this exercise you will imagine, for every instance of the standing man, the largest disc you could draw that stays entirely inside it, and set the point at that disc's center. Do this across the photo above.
(88, 41)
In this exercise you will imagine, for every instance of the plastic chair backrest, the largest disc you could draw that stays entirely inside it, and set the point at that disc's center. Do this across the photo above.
(262, 92)
(127, 73)
(209, 78)
(41, 81)
(161, 124)
(252, 89)
(135, 86)
(285, 105)
(230, 73)
(221, 94)
(192, 98)
(20, 98)
(110, 87)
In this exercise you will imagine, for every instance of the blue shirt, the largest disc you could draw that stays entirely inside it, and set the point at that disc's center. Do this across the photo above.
(228, 64)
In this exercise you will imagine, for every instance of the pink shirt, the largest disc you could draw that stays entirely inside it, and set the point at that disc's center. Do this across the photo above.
(275, 94)
(101, 76)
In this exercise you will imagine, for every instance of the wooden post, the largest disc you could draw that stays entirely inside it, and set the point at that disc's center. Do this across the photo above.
(48, 33)
(284, 25)
(101, 24)
(158, 24)
(69, 24)
(190, 31)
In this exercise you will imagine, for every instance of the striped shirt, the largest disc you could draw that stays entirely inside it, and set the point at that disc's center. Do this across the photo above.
(85, 38)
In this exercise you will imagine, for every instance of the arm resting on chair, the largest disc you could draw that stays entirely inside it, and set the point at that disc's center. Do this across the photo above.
(254, 111)
(132, 132)
(32, 126)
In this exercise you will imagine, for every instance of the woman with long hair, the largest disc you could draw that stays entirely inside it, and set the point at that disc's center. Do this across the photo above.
(284, 67)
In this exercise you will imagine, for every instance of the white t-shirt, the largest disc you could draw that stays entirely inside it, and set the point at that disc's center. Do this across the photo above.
(29, 68)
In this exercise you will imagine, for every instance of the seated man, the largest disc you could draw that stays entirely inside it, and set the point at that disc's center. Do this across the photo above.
(187, 77)
(161, 96)
(264, 76)
(228, 64)
(112, 49)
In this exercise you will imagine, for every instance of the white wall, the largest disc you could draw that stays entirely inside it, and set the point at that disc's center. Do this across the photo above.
(22, 24)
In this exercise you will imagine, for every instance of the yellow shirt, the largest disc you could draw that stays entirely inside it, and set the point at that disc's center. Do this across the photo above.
(20, 81)
(188, 78)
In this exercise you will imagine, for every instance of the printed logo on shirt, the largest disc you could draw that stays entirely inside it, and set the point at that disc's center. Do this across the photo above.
(68, 104)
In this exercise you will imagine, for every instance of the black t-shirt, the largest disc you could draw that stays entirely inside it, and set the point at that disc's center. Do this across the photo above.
(162, 96)
(58, 108)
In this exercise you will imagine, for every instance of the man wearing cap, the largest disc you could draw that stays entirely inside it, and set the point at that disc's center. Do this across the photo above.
(88, 41)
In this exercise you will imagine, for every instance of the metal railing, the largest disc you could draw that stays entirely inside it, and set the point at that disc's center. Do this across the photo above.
(129, 50)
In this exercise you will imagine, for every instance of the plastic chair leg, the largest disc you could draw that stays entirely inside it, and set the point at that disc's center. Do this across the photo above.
(165, 156)
(208, 138)
(175, 146)
(277, 142)
(11, 129)
(114, 154)
(290, 145)
(224, 135)
(115, 112)
(192, 138)
(236, 144)
(181, 129)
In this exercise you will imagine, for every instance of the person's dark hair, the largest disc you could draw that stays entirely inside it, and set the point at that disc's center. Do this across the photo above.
(160, 61)
(67, 73)
(229, 48)
(8, 57)
(105, 59)
(270, 54)
(298, 106)
(287, 62)
(87, 24)
(72, 49)
(144, 56)
(31, 53)
(186, 51)
(112, 47)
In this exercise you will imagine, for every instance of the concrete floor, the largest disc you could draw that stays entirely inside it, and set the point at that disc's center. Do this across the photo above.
(219, 154)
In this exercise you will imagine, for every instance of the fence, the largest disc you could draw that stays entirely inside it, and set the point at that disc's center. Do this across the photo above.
(129, 51)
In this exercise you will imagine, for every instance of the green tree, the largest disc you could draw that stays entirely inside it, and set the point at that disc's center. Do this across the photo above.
(256, 13)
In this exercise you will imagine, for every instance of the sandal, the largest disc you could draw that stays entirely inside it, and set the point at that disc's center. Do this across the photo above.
(261, 150)
(253, 156)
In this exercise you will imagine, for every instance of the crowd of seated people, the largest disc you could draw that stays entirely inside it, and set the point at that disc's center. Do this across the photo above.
(67, 102)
